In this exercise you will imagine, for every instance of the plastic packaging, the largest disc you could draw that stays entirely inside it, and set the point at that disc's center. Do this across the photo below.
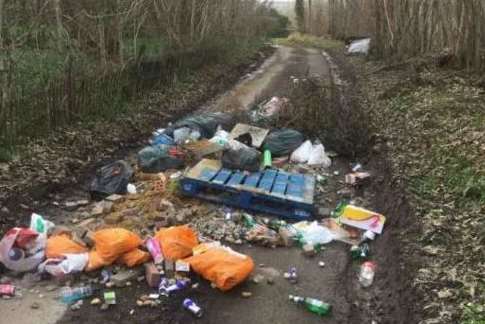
(180, 135)
(302, 153)
(246, 158)
(70, 295)
(367, 273)
(153, 246)
(111, 179)
(155, 159)
(283, 141)
(317, 156)
(313, 233)
(25, 260)
(360, 46)
(7, 290)
(161, 138)
(39, 224)
(167, 290)
(69, 263)
(206, 123)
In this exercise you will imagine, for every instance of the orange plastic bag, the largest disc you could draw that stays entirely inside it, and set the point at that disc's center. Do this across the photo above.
(111, 243)
(177, 242)
(95, 261)
(222, 266)
(62, 244)
(133, 258)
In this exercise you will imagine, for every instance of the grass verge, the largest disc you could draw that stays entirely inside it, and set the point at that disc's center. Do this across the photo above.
(433, 124)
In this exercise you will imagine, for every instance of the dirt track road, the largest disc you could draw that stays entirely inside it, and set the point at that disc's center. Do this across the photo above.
(269, 303)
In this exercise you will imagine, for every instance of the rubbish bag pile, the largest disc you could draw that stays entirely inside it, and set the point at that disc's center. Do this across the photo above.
(172, 147)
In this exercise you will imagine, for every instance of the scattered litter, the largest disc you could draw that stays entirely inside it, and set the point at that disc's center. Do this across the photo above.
(96, 301)
(367, 273)
(244, 158)
(246, 294)
(362, 218)
(360, 46)
(256, 134)
(356, 177)
(67, 264)
(321, 264)
(166, 289)
(313, 305)
(7, 290)
(70, 295)
(110, 298)
(153, 246)
(131, 189)
(313, 233)
(111, 179)
(222, 266)
(360, 252)
(16, 258)
(273, 106)
(283, 142)
(192, 307)
(155, 159)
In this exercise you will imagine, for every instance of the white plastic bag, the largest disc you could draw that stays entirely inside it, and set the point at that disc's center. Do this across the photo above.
(60, 267)
(360, 46)
(180, 135)
(302, 153)
(313, 233)
(26, 262)
(317, 156)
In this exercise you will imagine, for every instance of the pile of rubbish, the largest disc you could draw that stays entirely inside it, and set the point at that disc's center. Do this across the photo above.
(138, 219)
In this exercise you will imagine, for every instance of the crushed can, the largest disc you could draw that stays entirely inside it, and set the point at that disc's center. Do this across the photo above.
(7, 290)
(192, 307)
(110, 298)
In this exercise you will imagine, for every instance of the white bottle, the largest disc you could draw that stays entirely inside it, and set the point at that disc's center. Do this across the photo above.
(367, 273)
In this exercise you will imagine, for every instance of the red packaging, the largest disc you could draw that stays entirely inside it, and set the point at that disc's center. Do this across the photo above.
(7, 290)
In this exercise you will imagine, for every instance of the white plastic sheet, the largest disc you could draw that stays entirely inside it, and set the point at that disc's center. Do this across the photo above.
(360, 46)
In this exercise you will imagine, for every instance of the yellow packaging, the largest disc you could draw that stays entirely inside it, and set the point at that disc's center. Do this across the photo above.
(358, 213)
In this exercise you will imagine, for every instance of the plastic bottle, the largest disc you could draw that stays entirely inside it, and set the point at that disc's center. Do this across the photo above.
(360, 252)
(249, 221)
(70, 295)
(367, 273)
(192, 307)
(313, 305)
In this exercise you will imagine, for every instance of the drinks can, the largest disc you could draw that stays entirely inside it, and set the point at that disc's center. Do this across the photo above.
(192, 307)
(7, 290)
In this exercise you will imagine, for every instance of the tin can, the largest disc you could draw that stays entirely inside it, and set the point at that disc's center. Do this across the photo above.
(7, 290)
(192, 307)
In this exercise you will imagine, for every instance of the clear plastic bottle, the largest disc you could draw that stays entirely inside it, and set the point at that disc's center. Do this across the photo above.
(70, 295)
(367, 273)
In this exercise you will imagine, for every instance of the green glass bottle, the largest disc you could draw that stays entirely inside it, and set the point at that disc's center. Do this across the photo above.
(313, 305)
(249, 221)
